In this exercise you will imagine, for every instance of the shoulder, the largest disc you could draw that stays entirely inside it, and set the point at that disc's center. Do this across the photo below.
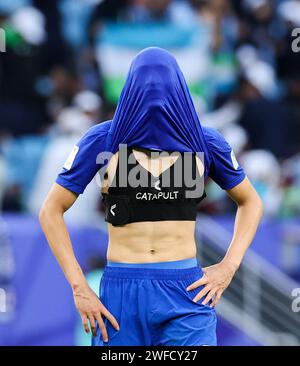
(224, 169)
(82, 164)
(98, 131)
(215, 140)
(95, 138)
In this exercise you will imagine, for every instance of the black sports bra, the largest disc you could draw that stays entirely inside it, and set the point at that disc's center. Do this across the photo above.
(135, 195)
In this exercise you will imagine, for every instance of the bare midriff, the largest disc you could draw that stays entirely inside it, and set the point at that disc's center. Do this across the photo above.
(155, 241)
(144, 242)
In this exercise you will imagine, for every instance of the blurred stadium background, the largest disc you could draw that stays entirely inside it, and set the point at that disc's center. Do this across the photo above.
(63, 69)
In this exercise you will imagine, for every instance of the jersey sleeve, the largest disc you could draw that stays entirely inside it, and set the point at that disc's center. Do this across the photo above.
(81, 165)
(224, 169)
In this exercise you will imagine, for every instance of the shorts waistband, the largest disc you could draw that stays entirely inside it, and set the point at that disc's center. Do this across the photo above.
(181, 264)
(152, 273)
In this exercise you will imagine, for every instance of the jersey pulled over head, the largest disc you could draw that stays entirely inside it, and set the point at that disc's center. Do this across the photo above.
(155, 109)
(155, 112)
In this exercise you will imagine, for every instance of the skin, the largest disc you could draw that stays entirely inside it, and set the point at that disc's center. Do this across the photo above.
(145, 242)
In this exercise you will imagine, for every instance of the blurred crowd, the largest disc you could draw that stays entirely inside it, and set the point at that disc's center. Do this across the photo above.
(51, 91)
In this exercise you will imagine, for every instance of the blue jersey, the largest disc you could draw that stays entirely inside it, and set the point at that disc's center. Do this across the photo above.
(81, 166)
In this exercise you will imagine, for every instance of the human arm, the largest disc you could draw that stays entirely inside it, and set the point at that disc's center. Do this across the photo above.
(217, 277)
(90, 308)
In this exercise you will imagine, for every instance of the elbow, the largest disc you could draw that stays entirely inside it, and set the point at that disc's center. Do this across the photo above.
(254, 204)
(44, 214)
(259, 206)
(47, 213)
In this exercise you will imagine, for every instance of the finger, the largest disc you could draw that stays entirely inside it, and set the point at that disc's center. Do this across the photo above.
(102, 328)
(202, 293)
(209, 296)
(203, 280)
(110, 318)
(217, 298)
(92, 324)
(84, 323)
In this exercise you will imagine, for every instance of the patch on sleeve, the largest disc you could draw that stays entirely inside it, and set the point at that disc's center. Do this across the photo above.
(70, 160)
(234, 161)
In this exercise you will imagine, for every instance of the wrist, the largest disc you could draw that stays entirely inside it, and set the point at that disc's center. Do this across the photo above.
(78, 286)
(233, 265)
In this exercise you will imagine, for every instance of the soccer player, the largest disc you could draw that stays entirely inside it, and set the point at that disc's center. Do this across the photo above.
(152, 156)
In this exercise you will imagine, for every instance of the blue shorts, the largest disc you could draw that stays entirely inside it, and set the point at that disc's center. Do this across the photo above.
(153, 308)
